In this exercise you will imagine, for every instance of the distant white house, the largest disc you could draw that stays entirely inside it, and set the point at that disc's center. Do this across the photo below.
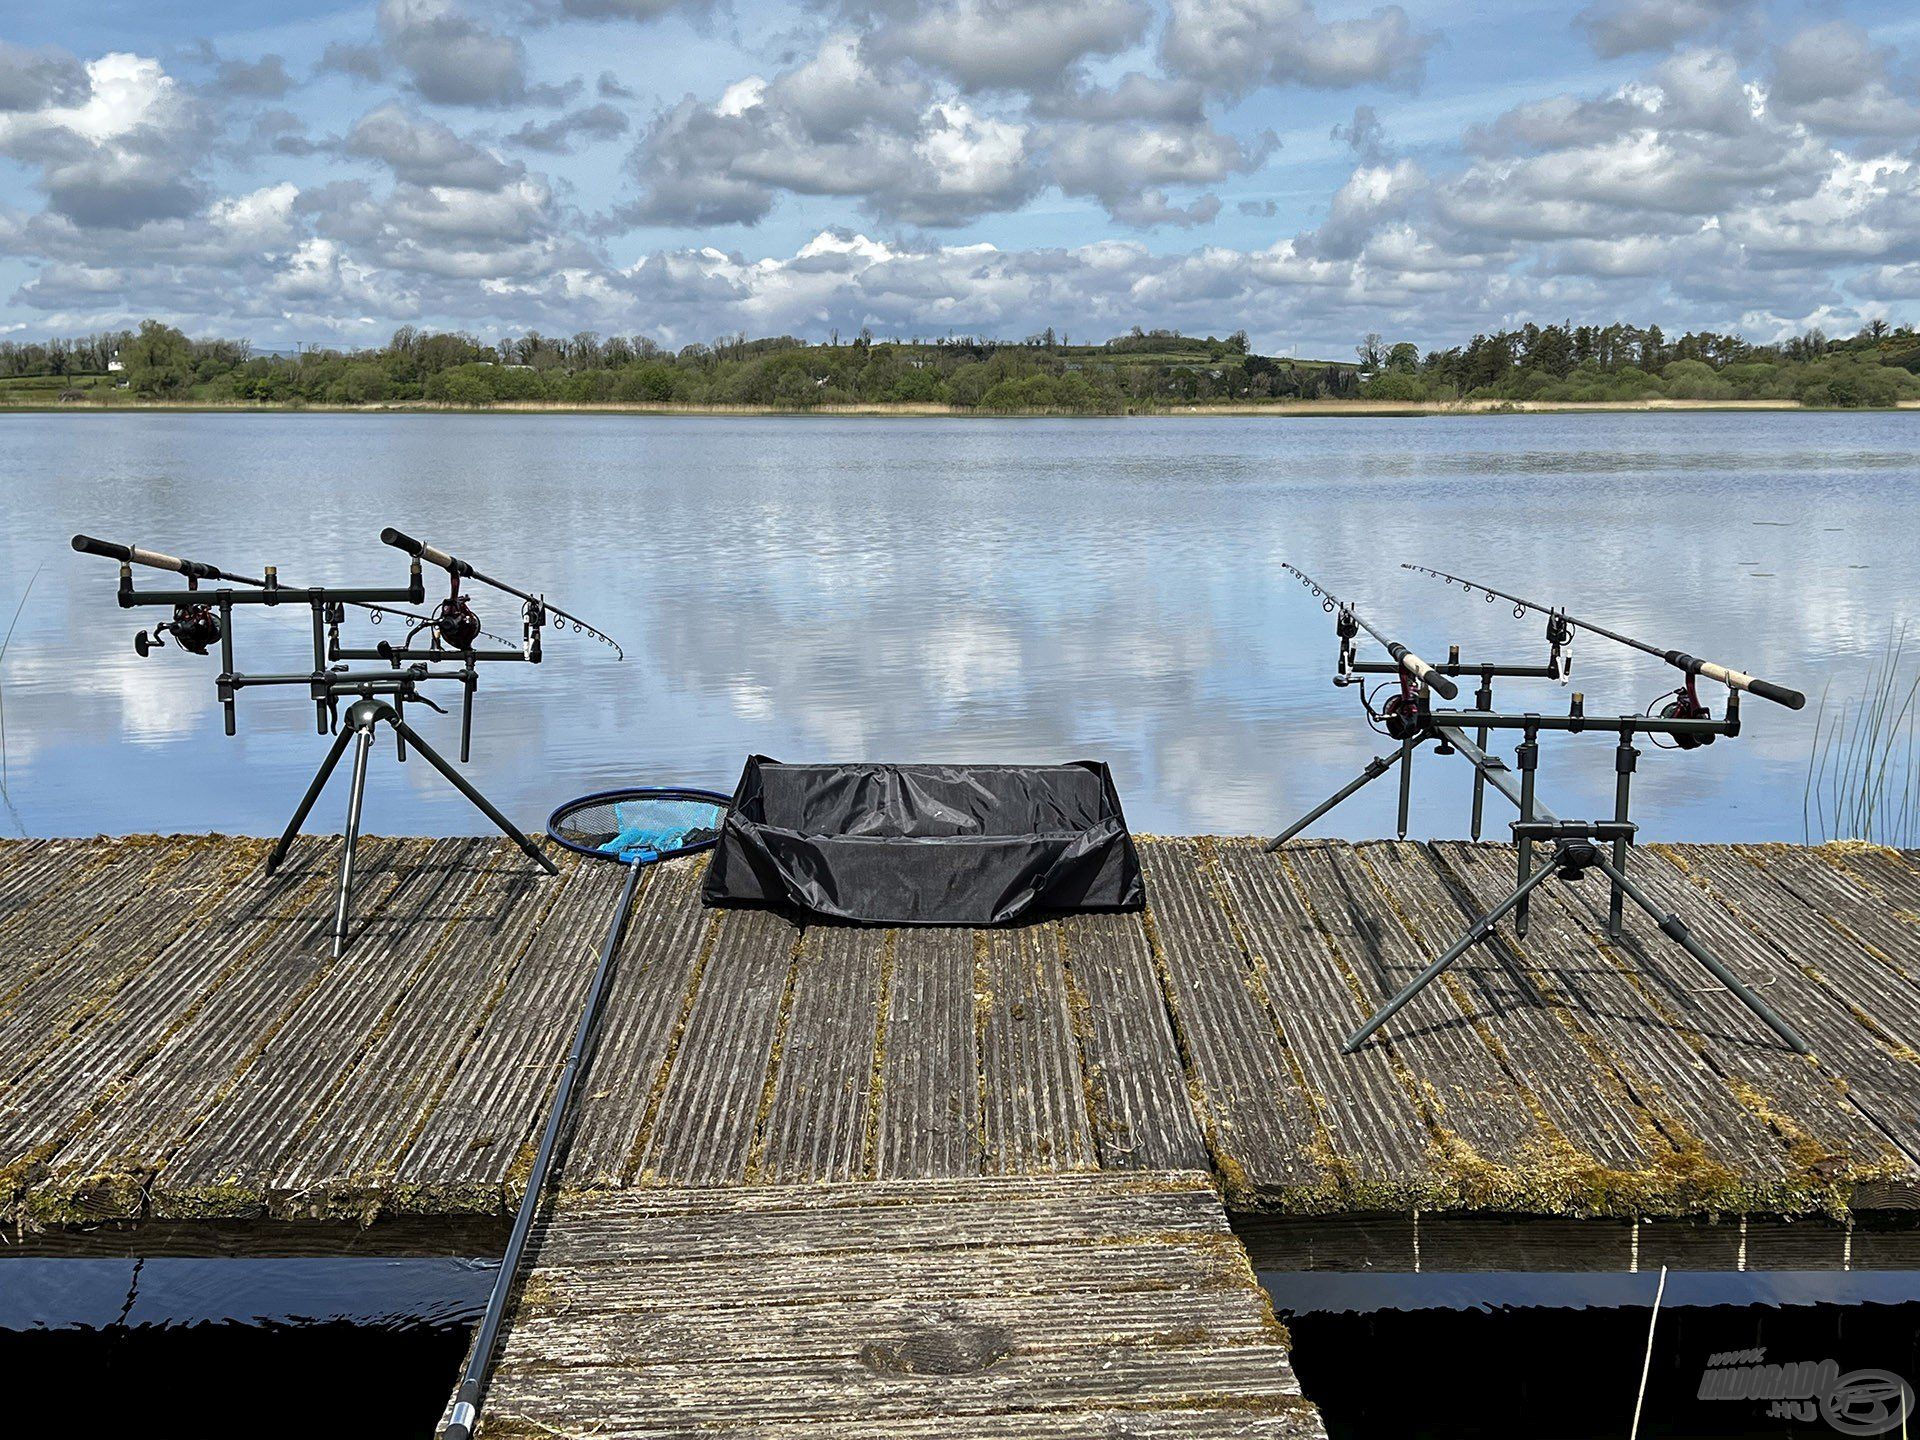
(114, 367)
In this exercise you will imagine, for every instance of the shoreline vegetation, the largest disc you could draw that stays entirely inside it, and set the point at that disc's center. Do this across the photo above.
(1378, 409)
(1557, 368)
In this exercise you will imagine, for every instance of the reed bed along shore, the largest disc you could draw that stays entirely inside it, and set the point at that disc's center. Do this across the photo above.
(1862, 779)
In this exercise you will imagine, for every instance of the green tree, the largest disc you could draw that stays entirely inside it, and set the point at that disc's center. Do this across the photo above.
(159, 360)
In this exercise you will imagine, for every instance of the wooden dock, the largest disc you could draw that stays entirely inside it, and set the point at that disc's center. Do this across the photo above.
(902, 1183)
(1097, 1306)
(176, 1046)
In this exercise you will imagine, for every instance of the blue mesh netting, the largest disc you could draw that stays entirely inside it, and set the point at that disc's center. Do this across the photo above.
(641, 828)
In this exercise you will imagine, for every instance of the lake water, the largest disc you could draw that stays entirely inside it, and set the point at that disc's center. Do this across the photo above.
(816, 588)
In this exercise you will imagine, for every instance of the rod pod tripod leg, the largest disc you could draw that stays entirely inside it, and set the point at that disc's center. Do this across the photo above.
(1481, 930)
(1376, 767)
(1678, 931)
(362, 717)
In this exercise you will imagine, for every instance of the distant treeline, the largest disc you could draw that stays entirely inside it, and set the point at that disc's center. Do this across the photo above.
(1624, 362)
(1144, 369)
(1045, 372)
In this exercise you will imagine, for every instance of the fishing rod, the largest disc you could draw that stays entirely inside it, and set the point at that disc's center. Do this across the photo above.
(1689, 665)
(460, 569)
(1348, 623)
(198, 635)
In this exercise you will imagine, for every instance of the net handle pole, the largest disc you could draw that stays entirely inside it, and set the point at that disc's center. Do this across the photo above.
(473, 1381)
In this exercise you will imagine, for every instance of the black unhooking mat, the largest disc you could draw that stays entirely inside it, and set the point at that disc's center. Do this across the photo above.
(926, 844)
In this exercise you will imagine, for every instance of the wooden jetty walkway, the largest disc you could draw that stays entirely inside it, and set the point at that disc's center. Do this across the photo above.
(175, 1044)
(1008, 1308)
(821, 1173)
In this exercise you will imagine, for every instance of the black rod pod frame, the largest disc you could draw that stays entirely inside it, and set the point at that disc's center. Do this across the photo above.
(374, 697)
(1576, 845)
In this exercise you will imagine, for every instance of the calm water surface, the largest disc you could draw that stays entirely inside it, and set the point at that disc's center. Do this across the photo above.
(932, 589)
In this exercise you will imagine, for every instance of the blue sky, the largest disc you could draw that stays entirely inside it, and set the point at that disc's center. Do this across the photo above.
(1308, 170)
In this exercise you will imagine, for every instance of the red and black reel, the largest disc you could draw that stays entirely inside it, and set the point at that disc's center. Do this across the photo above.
(195, 629)
(1685, 704)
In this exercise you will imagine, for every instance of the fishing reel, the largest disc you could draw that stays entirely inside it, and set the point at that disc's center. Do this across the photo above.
(195, 629)
(454, 622)
(1684, 704)
(1404, 712)
(1402, 715)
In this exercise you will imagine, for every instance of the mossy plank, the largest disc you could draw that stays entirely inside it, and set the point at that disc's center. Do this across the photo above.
(505, 1091)
(712, 1104)
(927, 1116)
(160, 1060)
(817, 1113)
(1137, 1095)
(167, 890)
(1818, 1108)
(1733, 1159)
(1267, 1141)
(1831, 892)
(1386, 1151)
(1488, 1126)
(1033, 1112)
(1801, 920)
(251, 1141)
(356, 1136)
(74, 894)
(1599, 1131)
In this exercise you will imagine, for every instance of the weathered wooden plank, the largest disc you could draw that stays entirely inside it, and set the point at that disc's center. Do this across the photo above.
(159, 1058)
(55, 872)
(847, 1218)
(1033, 1099)
(172, 889)
(78, 892)
(31, 869)
(1893, 876)
(665, 1398)
(1266, 1140)
(494, 1099)
(1740, 1162)
(1272, 1420)
(817, 1121)
(716, 1086)
(348, 1160)
(239, 1157)
(902, 1304)
(1823, 947)
(928, 1118)
(1378, 1136)
(552, 1334)
(957, 1271)
(1487, 1125)
(1823, 1117)
(1843, 903)
(1604, 1132)
(655, 975)
(1137, 1095)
